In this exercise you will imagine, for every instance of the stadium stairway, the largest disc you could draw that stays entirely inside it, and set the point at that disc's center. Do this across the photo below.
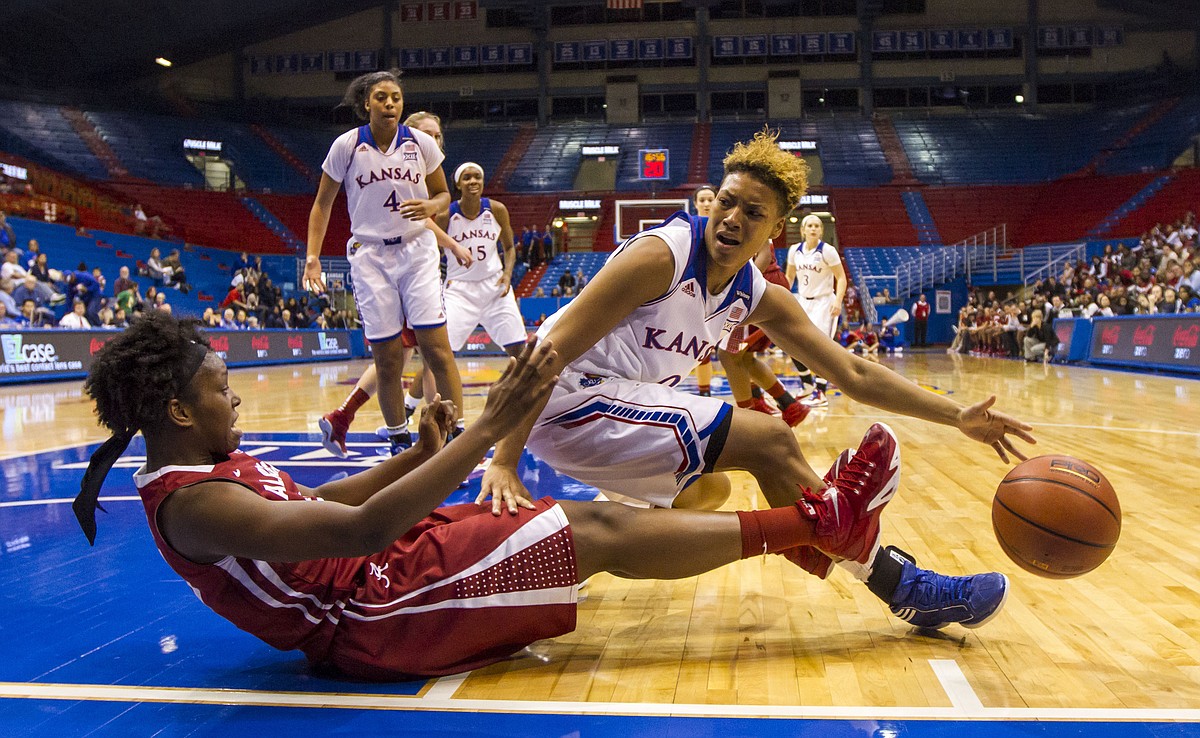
(1150, 118)
(1129, 206)
(285, 153)
(921, 218)
(697, 170)
(893, 150)
(95, 142)
(530, 280)
(512, 157)
(267, 218)
(602, 240)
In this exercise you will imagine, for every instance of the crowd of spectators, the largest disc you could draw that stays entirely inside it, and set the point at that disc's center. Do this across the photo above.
(254, 302)
(534, 247)
(1158, 274)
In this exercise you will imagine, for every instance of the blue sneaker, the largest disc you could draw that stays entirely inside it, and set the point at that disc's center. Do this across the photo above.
(399, 443)
(927, 599)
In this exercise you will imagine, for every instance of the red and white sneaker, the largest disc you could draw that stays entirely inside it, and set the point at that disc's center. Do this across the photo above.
(795, 414)
(333, 432)
(809, 558)
(847, 512)
(762, 406)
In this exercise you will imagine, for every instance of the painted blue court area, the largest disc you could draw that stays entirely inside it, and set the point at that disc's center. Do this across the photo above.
(108, 641)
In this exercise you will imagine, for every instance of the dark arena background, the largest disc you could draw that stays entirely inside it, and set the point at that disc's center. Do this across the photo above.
(1000, 159)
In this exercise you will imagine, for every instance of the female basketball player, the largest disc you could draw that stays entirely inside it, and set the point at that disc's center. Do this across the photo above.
(481, 293)
(702, 200)
(388, 170)
(816, 270)
(363, 574)
(643, 323)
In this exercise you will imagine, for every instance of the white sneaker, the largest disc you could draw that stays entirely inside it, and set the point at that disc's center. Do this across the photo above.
(816, 399)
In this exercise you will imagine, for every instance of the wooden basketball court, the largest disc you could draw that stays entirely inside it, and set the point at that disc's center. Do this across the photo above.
(755, 639)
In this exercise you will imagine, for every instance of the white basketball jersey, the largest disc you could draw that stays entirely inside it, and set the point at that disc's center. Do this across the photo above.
(664, 339)
(478, 235)
(377, 182)
(814, 269)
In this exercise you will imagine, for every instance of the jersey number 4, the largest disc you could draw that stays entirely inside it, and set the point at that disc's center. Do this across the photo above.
(392, 203)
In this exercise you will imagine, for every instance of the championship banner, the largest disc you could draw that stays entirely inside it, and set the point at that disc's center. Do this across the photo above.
(35, 355)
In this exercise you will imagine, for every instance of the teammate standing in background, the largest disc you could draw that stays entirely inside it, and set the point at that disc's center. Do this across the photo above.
(481, 292)
(336, 424)
(819, 281)
(702, 200)
(388, 170)
(746, 373)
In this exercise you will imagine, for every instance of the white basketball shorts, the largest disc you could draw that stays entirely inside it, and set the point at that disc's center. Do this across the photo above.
(817, 309)
(644, 441)
(469, 304)
(394, 283)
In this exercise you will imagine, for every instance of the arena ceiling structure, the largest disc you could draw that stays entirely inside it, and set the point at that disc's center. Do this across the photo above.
(107, 44)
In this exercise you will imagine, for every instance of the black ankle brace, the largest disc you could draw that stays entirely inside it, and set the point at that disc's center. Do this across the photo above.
(885, 573)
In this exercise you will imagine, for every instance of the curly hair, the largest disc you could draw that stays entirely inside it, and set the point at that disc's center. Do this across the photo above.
(784, 173)
(134, 377)
(359, 90)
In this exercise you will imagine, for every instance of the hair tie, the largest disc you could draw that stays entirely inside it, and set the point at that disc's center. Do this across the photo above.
(101, 463)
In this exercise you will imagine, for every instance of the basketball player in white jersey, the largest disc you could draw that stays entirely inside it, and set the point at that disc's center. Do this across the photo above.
(335, 425)
(394, 183)
(819, 282)
(702, 200)
(481, 292)
(662, 299)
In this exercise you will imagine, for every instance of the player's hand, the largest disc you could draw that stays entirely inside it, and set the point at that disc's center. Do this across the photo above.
(993, 427)
(313, 281)
(461, 255)
(437, 420)
(504, 281)
(503, 485)
(835, 309)
(417, 209)
(523, 387)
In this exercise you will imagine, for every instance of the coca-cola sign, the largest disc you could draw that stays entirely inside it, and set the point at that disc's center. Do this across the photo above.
(1160, 342)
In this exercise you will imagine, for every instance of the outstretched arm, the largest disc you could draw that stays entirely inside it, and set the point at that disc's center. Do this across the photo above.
(874, 384)
(209, 521)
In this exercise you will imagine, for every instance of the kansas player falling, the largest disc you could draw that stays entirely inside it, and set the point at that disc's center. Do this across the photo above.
(394, 182)
(819, 279)
(661, 301)
(481, 293)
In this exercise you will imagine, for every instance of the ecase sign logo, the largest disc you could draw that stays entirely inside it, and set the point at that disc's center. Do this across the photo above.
(16, 351)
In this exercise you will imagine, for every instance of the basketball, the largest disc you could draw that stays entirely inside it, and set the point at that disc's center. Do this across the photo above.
(1056, 516)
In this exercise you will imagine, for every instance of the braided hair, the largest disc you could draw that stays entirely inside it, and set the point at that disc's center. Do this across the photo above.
(136, 375)
(133, 380)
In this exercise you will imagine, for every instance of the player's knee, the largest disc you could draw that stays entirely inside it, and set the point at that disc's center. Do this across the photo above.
(708, 492)
(774, 448)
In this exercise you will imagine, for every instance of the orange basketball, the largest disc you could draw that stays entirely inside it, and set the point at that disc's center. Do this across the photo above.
(1056, 516)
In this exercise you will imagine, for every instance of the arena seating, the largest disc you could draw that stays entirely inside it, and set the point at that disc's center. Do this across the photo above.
(1008, 149)
(1157, 146)
(851, 155)
(42, 134)
(211, 218)
(151, 147)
